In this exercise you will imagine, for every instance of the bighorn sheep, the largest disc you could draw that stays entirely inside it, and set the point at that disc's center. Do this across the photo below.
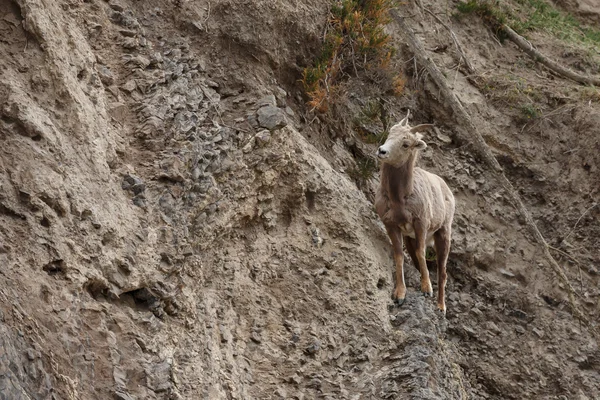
(415, 205)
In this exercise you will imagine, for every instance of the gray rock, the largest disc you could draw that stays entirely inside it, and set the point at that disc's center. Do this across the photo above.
(129, 181)
(313, 348)
(281, 96)
(519, 329)
(120, 377)
(263, 137)
(129, 86)
(159, 377)
(268, 100)
(116, 6)
(140, 201)
(252, 120)
(118, 111)
(493, 327)
(119, 395)
(140, 61)
(105, 74)
(271, 117)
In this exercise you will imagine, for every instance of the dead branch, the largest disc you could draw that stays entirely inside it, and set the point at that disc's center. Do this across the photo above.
(542, 59)
(459, 48)
(463, 118)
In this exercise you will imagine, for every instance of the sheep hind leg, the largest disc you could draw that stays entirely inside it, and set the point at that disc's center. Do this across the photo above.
(442, 249)
(410, 245)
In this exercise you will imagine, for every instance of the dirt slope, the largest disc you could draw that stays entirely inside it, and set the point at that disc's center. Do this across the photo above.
(157, 241)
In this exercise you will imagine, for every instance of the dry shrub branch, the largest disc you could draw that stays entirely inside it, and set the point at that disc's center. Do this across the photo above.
(355, 41)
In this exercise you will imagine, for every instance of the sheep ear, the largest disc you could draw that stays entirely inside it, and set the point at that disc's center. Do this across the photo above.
(421, 145)
(421, 128)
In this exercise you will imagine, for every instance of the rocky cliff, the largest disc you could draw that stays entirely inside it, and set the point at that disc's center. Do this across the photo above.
(174, 224)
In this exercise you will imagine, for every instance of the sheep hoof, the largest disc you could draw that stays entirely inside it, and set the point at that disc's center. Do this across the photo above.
(399, 302)
(428, 294)
(442, 310)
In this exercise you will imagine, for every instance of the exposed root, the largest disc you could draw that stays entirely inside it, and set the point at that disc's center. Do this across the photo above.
(528, 48)
(463, 118)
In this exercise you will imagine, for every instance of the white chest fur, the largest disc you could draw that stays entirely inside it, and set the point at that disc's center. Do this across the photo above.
(407, 229)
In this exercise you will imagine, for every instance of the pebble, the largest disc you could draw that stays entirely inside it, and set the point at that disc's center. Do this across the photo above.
(105, 74)
(313, 348)
(493, 327)
(519, 329)
(129, 181)
(255, 337)
(268, 100)
(507, 273)
(129, 86)
(263, 137)
(140, 201)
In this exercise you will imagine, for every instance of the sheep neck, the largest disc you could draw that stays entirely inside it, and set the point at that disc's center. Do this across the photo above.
(398, 180)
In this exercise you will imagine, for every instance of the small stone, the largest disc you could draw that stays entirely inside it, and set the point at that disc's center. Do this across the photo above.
(507, 273)
(255, 337)
(140, 201)
(313, 348)
(442, 137)
(263, 137)
(212, 84)
(129, 181)
(116, 6)
(271, 117)
(593, 270)
(538, 332)
(518, 314)
(470, 331)
(268, 100)
(476, 311)
(295, 379)
(127, 33)
(140, 61)
(281, 97)
(117, 111)
(519, 329)
(120, 377)
(31, 354)
(196, 173)
(281, 393)
(252, 120)
(105, 74)
(119, 395)
(129, 86)
(493, 327)
(226, 335)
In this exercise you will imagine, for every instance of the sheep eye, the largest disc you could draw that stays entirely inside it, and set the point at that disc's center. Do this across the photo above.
(405, 145)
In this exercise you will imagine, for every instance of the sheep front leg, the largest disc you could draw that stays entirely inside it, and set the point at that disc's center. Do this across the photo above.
(421, 243)
(396, 238)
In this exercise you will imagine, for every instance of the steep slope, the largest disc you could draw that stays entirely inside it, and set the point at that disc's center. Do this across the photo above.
(158, 241)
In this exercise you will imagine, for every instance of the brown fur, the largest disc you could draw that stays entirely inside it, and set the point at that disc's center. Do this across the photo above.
(416, 206)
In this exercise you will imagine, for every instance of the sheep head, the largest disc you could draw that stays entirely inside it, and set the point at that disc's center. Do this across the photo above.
(402, 143)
